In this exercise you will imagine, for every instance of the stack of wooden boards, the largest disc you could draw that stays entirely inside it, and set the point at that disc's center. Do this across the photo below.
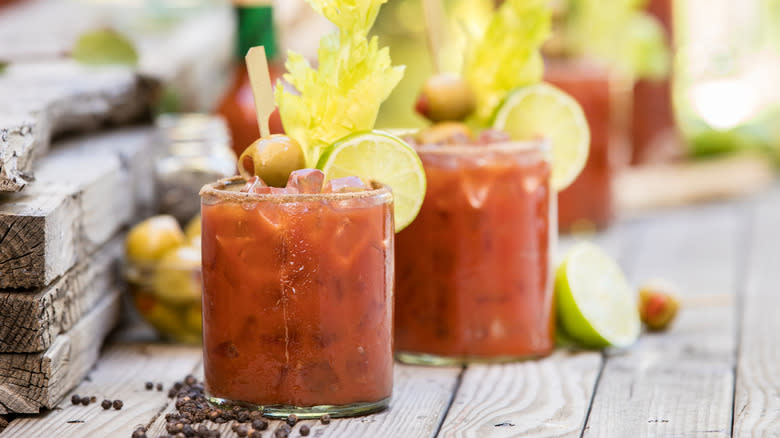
(76, 168)
(60, 243)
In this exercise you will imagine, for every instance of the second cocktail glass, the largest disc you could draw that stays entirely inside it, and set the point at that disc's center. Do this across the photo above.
(474, 271)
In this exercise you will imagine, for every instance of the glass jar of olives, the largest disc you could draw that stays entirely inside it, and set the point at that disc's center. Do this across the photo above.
(194, 151)
(162, 268)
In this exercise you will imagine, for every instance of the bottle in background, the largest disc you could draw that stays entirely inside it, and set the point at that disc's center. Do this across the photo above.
(255, 28)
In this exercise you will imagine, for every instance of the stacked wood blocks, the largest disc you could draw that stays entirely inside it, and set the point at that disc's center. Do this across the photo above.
(60, 244)
(64, 202)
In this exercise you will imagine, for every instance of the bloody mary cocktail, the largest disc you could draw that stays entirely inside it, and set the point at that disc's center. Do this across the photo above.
(587, 204)
(297, 298)
(473, 271)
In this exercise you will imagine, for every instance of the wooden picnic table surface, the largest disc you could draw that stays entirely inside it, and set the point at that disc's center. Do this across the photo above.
(713, 374)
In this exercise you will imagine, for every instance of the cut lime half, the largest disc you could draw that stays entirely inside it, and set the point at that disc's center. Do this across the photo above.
(596, 306)
(541, 110)
(380, 157)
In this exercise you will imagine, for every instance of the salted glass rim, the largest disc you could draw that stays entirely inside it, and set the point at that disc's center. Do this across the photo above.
(216, 191)
(542, 145)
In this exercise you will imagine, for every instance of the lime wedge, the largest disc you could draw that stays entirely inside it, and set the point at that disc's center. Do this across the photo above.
(541, 110)
(384, 158)
(596, 305)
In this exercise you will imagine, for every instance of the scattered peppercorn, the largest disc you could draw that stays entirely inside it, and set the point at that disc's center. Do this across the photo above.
(259, 424)
(139, 434)
(106, 404)
(255, 434)
(117, 404)
(190, 380)
(159, 387)
(292, 419)
(242, 416)
(305, 430)
(241, 431)
(85, 401)
(325, 419)
(149, 386)
(75, 399)
(93, 399)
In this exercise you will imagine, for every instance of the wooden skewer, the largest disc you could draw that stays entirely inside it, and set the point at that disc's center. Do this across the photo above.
(433, 12)
(262, 90)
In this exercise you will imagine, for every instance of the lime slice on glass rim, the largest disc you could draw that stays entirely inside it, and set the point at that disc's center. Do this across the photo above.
(541, 110)
(595, 304)
(380, 157)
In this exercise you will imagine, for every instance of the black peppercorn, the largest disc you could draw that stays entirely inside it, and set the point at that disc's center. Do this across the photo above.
(149, 385)
(259, 424)
(85, 401)
(255, 434)
(304, 430)
(117, 404)
(106, 404)
(241, 431)
(325, 419)
(292, 419)
(75, 399)
(159, 387)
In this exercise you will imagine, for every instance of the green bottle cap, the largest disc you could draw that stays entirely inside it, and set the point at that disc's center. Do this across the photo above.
(255, 28)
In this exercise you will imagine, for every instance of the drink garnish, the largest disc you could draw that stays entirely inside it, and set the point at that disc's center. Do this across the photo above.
(507, 55)
(343, 94)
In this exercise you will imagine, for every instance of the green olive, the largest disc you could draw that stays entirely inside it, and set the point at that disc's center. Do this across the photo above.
(177, 276)
(445, 133)
(446, 97)
(272, 159)
(148, 241)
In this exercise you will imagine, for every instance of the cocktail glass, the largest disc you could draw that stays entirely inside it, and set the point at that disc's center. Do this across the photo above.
(587, 204)
(474, 270)
(297, 300)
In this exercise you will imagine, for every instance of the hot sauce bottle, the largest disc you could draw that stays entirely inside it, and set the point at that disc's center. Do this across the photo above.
(255, 28)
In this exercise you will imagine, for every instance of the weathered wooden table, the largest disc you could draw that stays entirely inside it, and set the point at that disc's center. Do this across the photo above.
(713, 374)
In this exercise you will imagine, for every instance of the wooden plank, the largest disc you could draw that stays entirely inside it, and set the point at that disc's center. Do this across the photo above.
(679, 383)
(685, 183)
(32, 381)
(544, 398)
(757, 402)
(421, 396)
(84, 192)
(30, 321)
(40, 101)
(43, 94)
(120, 374)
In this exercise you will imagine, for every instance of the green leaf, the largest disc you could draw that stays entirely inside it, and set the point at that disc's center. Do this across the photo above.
(507, 55)
(3, 66)
(104, 47)
(623, 35)
(344, 93)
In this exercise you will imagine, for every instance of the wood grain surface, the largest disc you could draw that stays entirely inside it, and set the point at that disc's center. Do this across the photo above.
(757, 399)
(679, 383)
(30, 321)
(85, 190)
(30, 382)
(112, 379)
(545, 398)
